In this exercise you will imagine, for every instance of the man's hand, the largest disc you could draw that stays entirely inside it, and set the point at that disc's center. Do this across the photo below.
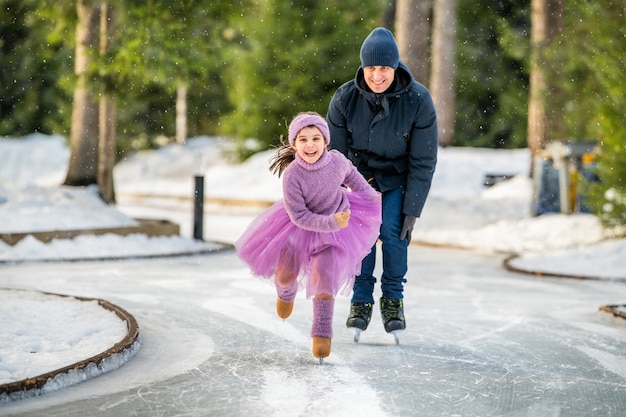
(407, 227)
(342, 218)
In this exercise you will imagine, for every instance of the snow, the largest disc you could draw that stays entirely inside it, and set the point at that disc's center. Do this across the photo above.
(461, 213)
(29, 317)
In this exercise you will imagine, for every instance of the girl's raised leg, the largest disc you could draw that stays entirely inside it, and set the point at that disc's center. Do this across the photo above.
(286, 286)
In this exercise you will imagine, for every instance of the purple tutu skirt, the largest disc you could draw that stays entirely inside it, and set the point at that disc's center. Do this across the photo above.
(324, 262)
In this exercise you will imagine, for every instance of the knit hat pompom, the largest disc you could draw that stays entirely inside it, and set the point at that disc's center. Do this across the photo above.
(380, 49)
(307, 119)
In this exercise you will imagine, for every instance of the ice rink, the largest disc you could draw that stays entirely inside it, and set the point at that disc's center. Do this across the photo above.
(481, 341)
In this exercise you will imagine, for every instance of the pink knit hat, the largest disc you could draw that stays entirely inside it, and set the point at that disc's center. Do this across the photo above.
(303, 120)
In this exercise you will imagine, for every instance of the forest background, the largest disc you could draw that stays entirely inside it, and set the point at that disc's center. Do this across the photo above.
(125, 75)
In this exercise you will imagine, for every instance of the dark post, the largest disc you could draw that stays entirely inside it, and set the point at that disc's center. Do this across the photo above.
(198, 207)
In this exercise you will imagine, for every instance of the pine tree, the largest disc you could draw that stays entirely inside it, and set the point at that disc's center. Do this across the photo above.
(294, 57)
(492, 55)
(32, 57)
(589, 63)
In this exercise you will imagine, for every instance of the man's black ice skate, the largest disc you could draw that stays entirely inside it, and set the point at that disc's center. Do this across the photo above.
(360, 316)
(392, 312)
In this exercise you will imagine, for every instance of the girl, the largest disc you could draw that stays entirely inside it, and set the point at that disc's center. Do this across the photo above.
(317, 235)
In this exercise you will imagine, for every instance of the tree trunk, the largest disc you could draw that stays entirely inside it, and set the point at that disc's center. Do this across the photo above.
(537, 86)
(413, 36)
(181, 113)
(107, 120)
(82, 169)
(106, 160)
(546, 23)
(442, 77)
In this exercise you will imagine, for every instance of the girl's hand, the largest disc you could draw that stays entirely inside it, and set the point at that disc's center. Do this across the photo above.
(342, 218)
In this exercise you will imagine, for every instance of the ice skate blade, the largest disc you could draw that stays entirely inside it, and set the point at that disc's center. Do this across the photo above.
(357, 334)
(396, 336)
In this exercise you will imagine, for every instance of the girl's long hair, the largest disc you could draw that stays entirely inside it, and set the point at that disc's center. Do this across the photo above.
(285, 154)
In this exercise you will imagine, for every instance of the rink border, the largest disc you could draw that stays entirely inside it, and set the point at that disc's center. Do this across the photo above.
(149, 227)
(34, 386)
(222, 247)
(507, 265)
(614, 309)
(611, 309)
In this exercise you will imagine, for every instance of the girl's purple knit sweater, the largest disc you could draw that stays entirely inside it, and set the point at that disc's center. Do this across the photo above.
(313, 192)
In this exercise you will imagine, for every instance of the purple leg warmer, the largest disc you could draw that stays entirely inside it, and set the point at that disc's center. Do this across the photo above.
(322, 317)
(287, 294)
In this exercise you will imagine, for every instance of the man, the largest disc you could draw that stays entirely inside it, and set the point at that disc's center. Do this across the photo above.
(385, 123)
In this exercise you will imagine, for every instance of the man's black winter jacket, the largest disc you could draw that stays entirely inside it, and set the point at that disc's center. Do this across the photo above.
(390, 137)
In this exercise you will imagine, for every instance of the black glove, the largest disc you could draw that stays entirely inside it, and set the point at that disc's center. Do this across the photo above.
(407, 227)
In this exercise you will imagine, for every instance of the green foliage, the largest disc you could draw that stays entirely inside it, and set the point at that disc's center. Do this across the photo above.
(292, 58)
(251, 66)
(492, 73)
(31, 100)
(160, 45)
(588, 68)
(156, 46)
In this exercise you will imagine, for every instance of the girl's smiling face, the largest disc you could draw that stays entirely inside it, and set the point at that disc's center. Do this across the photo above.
(310, 144)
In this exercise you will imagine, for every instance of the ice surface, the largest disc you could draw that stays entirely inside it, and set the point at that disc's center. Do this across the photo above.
(480, 341)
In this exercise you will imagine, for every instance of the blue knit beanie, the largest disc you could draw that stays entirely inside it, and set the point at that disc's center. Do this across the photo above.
(380, 49)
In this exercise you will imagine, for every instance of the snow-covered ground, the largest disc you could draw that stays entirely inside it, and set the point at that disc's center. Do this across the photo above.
(45, 332)
(461, 213)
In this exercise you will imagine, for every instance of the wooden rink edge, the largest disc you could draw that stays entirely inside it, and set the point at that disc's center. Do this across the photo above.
(38, 382)
(149, 227)
(614, 310)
